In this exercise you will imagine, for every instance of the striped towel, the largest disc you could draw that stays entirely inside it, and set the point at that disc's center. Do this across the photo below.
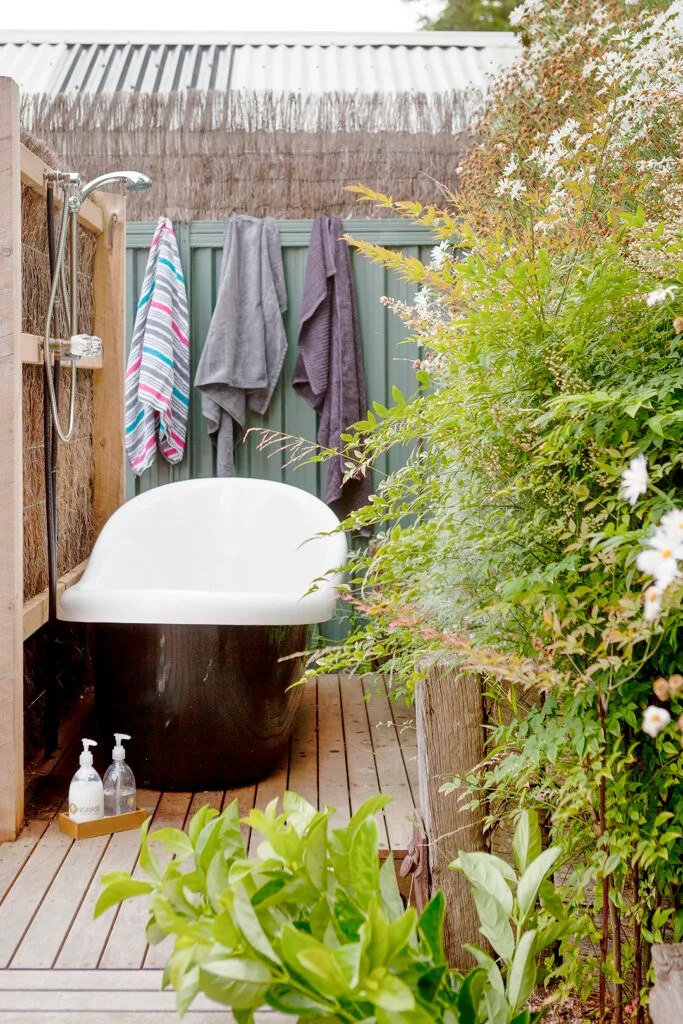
(158, 371)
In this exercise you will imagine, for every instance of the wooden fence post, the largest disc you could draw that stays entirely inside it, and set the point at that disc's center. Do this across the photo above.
(450, 741)
(666, 998)
(109, 285)
(11, 506)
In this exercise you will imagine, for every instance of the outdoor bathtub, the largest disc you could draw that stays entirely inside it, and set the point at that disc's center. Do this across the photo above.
(197, 591)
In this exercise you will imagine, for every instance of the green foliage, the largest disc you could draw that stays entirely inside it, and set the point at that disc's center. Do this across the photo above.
(518, 929)
(315, 928)
(552, 340)
(471, 15)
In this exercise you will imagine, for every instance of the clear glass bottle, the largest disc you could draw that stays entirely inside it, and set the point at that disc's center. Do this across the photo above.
(119, 781)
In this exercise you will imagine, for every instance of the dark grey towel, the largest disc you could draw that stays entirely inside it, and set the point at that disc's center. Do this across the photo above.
(329, 370)
(246, 343)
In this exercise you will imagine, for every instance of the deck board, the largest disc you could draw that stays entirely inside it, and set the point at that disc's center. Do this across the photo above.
(24, 898)
(54, 956)
(391, 769)
(84, 945)
(303, 761)
(270, 788)
(103, 997)
(333, 782)
(126, 945)
(49, 928)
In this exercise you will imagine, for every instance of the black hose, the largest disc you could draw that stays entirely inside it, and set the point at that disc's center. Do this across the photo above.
(51, 715)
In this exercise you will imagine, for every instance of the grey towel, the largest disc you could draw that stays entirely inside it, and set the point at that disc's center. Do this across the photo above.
(246, 343)
(329, 371)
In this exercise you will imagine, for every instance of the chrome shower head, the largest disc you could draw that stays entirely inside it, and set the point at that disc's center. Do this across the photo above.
(135, 181)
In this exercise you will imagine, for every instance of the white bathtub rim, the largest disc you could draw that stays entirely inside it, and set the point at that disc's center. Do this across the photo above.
(195, 608)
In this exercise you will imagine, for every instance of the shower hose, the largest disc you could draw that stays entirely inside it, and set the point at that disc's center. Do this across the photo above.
(52, 432)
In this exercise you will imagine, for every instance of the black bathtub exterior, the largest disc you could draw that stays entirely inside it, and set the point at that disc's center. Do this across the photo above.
(207, 707)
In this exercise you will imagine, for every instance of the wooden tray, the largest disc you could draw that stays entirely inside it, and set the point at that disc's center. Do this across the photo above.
(102, 826)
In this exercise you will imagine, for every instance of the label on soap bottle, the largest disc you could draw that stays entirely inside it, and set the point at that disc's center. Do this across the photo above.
(86, 802)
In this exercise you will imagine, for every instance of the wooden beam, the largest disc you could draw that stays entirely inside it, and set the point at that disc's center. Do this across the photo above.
(109, 324)
(32, 167)
(449, 713)
(36, 608)
(32, 352)
(11, 525)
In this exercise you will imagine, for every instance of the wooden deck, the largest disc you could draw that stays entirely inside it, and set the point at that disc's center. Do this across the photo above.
(57, 964)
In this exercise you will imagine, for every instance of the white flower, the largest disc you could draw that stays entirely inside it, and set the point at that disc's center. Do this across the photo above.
(672, 525)
(517, 188)
(634, 479)
(660, 295)
(655, 719)
(511, 167)
(439, 255)
(652, 608)
(660, 559)
(422, 299)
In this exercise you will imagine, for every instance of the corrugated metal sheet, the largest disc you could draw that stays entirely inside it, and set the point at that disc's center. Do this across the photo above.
(423, 62)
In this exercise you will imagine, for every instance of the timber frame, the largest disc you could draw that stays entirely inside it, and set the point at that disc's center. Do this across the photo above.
(104, 215)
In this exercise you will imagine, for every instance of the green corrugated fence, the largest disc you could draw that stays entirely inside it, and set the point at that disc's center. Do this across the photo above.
(388, 362)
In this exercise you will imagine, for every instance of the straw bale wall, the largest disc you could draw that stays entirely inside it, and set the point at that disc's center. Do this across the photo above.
(74, 480)
(75, 463)
(210, 154)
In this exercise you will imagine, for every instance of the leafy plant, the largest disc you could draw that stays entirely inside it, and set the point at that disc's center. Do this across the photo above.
(550, 317)
(315, 928)
(517, 928)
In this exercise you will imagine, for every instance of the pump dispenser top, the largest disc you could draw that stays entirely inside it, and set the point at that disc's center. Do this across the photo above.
(86, 754)
(118, 753)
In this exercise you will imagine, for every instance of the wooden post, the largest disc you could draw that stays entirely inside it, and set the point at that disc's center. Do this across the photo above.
(666, 998)
(11, 506)
(450, 741)
(109, 454)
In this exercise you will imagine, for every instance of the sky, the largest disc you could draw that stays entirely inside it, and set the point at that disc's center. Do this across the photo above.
(219, 15)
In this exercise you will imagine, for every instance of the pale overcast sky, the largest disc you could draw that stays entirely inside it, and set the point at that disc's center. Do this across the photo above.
(219, 15)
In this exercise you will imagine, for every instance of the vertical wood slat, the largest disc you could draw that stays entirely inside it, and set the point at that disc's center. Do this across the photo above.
(11, 525)
(109, 323)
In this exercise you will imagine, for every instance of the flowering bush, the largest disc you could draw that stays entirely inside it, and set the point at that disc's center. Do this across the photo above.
(551, 323)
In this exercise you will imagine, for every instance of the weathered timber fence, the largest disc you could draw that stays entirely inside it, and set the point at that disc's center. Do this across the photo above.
(104, 217)
(449, 715)
(666, 998)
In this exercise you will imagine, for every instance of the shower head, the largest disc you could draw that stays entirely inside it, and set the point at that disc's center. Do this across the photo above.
(135, 181)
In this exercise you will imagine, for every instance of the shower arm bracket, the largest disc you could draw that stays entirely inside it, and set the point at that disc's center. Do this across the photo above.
(78, 346)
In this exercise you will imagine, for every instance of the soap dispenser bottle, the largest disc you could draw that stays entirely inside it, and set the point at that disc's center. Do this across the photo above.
(86, 801)
(119, 781)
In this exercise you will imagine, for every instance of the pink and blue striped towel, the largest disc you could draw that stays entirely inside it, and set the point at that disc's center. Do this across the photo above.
(158, 371)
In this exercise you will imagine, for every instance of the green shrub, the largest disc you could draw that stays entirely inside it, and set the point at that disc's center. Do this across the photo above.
(315, 928)
(551, 323)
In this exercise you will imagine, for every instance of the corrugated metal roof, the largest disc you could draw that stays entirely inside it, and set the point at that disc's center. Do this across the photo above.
(425, 62)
